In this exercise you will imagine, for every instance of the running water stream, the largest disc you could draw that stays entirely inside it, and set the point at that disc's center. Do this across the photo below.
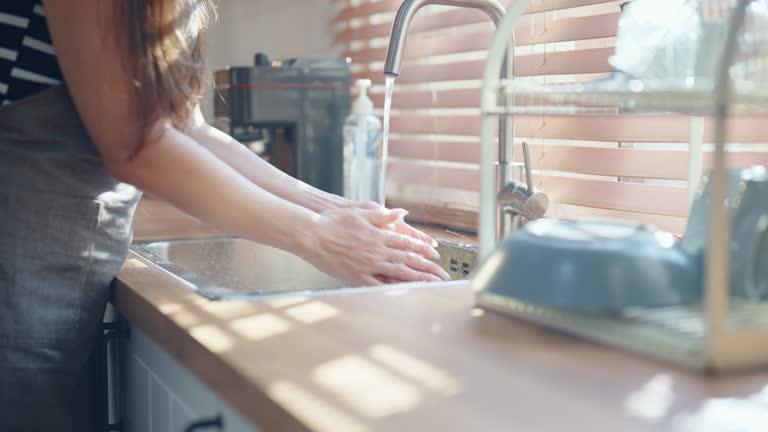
(390, 84)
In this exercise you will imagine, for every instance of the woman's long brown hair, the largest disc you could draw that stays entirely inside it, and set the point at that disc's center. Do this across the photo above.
(163, 42)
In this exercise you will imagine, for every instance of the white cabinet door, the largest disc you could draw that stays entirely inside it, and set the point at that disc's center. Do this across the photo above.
(161, 395)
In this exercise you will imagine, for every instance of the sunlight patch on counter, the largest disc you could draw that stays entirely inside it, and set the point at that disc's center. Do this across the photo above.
(477, 312)
(260, 327)
(748, 414)
(653, 400)
(184, 317)
(313, 411)
(230, 309)
(420, 371)
(169, 308)
(212, 338)
(312, 312)
(135, 263)
(369, 389)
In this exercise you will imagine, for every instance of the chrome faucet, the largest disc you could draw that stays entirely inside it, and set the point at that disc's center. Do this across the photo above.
(408, 10)
(514, 200)
(519, 200)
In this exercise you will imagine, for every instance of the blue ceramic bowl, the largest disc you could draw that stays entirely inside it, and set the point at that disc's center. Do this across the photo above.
(590, 266)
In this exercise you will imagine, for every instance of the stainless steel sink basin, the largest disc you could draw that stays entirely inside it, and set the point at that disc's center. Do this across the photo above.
(227, 268)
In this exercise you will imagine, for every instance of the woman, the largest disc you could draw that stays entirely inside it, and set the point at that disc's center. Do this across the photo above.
(73, 156)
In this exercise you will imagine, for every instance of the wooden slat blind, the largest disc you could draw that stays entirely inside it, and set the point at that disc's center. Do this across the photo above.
(626, 167)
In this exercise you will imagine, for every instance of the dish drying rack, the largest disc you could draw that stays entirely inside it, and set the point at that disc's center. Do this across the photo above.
(720, 334)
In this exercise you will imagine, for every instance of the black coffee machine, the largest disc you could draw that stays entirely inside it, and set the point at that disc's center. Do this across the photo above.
(291, 112)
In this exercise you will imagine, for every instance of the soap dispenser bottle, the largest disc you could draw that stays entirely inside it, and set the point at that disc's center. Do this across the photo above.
(362, 148)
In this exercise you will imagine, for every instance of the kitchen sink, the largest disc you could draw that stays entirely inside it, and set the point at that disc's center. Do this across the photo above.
(231, 268)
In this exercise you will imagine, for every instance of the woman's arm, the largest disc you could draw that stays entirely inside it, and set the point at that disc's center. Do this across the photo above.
(272, 179)
(172, 165)
(258, 170)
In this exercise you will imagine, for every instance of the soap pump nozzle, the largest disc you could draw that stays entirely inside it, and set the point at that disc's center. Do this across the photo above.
(363, 104)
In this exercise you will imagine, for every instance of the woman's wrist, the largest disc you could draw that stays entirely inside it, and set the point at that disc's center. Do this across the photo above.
(298, 232)
(307, 240)
(320, 201)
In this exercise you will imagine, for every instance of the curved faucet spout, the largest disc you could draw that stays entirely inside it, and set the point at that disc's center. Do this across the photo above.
(408, 10)
(506, 168)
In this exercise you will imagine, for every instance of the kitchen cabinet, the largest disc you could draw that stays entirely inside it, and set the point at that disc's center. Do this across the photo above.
(161, 395)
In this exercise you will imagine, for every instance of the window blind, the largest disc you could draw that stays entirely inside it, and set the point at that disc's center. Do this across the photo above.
(624, 167)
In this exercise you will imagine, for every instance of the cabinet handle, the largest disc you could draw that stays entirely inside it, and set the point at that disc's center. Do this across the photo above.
(213, 422)
(113, 334)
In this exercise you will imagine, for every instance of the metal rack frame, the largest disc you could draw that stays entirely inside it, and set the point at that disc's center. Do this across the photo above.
(718, 335)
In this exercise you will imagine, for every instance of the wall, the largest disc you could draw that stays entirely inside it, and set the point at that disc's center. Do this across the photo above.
(282, 28)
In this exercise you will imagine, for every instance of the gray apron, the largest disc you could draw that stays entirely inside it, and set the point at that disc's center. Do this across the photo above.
(65, 226)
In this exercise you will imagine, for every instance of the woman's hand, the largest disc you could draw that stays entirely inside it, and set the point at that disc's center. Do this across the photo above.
(398, 224)
(354, 245)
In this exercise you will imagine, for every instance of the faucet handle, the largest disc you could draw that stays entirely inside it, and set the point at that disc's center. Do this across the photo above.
(528, 203)
(527, 166)
(524, 200)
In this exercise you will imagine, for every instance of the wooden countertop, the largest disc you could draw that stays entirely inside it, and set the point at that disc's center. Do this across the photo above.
(420, 359)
